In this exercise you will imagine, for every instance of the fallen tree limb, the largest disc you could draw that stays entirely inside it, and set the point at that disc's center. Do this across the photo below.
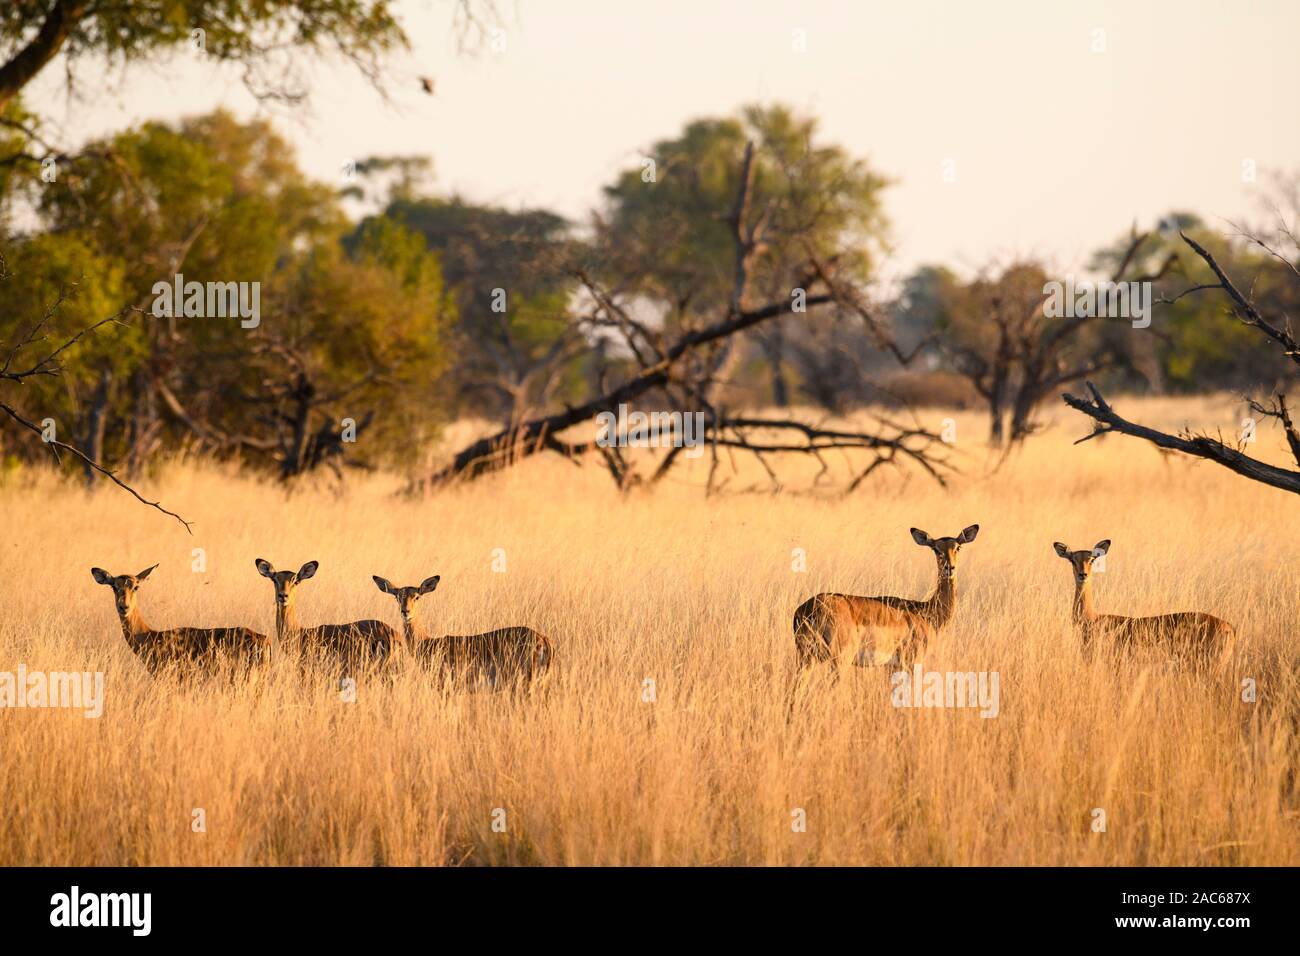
(792, 437)
(1199, 446)
(1203, 446)
(510, 444)
(690, 370)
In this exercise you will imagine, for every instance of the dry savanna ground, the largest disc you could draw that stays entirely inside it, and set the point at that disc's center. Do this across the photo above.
(695, 596)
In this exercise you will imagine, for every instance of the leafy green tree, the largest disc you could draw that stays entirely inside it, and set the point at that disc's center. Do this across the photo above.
(666, 323)
(512, 273)
(270, 40)
(58, 284)
(1195, 344)
(667, 231)
(343, 334)
(259, 35)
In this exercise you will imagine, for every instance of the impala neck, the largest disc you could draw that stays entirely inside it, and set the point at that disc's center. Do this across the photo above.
(286, 621)
(413, 633)
(941, 604)
(133, 625)
(1083, 609)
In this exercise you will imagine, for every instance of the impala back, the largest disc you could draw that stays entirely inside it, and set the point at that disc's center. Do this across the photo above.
(496, 658)
(205, 648)
(1186, 633)
(358, 645)
(857, 630)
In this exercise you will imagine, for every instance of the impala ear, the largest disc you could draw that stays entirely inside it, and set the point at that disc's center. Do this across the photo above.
(968, 534)
(264, 568)
(428, 584)
(101, 576)
(382, 584)
(921, 538)
(1101, 547)
(307, 570)
(1061, 549)
(145, 573)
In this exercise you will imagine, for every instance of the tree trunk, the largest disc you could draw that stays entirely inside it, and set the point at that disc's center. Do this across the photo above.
(95, 425)
(997, 416)
(296, 455)
(773, 346)
(23, 66)
(1022, 410)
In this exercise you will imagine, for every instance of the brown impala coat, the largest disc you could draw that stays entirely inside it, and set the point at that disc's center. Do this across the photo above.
(857, 630)
(499, 657)
(880, 630)
(354, 646)
(1192, 635)
(182, 647)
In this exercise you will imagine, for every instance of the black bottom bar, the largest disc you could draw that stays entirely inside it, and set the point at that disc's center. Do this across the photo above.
(334, 906)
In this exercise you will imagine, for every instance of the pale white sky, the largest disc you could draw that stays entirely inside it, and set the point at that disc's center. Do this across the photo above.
(1056, 148)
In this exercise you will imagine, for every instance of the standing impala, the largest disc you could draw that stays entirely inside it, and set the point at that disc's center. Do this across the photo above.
(881, 630)
(353, 645)
(500, 656)
(1189, 634)
(181, 646)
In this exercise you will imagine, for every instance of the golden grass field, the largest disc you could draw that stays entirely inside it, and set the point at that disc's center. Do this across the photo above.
(695, 594)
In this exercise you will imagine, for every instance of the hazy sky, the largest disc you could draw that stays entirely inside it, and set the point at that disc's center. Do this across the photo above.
(1055, 148)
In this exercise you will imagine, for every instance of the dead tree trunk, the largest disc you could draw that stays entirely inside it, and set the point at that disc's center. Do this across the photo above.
(693, 367)
(96, 422)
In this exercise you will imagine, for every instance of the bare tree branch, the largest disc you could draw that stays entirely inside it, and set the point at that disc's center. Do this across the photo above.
(90, 463)
(1202, 446)
(692, 368)
(1199, 446)
(1244, 309)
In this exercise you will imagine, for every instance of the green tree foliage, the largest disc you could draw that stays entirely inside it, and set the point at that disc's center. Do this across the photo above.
(666, 233)
(1196, 342)
(260, 35)
(671, 233)
(350, 332)
(512, 275)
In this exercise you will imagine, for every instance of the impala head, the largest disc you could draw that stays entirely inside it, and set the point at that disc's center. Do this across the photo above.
(124, 587)
(946, 549)
(285, 581)
(406, 597)
(1081, 561)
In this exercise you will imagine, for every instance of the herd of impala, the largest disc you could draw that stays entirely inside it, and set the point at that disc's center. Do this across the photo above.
(833, 628)
(499, 658)
(892, 630)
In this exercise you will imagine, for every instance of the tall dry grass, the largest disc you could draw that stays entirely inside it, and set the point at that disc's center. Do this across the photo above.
(695, 595)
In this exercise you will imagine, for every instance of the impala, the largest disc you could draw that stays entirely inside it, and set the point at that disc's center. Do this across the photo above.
(354, 645)
(881, 630)
(499, 657)
(182, 646)
(1189, 634)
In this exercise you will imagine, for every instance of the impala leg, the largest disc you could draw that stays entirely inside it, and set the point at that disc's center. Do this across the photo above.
(797, 688)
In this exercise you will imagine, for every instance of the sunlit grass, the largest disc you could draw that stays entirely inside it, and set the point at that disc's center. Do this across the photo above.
(694, 595)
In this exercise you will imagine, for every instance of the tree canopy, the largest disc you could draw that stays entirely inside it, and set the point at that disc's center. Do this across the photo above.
(343, 332)
(262, 36)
